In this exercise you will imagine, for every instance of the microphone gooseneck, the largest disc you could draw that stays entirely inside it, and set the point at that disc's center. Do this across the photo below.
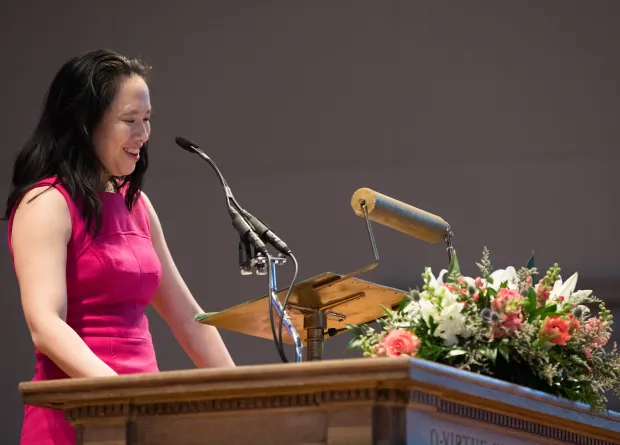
(245, 223)
(241, 225)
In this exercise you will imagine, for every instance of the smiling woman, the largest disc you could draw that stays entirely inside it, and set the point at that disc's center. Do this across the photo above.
(87, 246)
(125, 127)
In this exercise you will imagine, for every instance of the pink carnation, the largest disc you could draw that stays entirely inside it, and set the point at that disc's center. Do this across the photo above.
(400, 342)
(453, 288)
(542, 294)
(379, 350)
(557, 330)
(506, 304)
(512, 322)
(574, 323)
(595, 332)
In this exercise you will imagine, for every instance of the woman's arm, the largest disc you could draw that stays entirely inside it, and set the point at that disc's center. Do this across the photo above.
(175, 303)
(39, 237)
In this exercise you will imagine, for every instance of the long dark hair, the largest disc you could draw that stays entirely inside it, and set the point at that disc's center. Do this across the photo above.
(61, 144)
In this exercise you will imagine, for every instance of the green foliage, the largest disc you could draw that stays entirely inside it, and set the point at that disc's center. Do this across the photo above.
(485, 265)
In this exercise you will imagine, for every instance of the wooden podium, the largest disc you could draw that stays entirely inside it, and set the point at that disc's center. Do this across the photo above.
(352, 401)
(336, 402)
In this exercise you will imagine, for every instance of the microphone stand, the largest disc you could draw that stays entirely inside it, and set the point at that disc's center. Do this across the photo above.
(263, 262)
(271, 264)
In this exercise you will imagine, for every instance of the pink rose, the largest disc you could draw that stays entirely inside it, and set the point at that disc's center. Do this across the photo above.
(400, 342)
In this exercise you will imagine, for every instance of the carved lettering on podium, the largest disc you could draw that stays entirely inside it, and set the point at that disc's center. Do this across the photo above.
(424, 428)
(444, 437)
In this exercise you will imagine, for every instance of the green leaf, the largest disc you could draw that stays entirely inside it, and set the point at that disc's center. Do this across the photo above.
(543, 312)
(431, 352)
(531, 296)
(431, 325)
(454, 265)
(504, 351)
(403, 303)
(530, 262)
(387, 311)
(354, 343)
(530, 265)
(355, 329)
(382, 323)
(492, 353)
(552, 309)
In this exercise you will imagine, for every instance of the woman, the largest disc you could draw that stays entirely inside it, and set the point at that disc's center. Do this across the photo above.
(87, 246)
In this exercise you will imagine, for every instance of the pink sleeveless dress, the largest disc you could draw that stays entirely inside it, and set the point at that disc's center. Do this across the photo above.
(110, 281)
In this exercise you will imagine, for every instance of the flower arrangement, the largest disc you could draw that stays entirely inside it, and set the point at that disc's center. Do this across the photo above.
(507, 324)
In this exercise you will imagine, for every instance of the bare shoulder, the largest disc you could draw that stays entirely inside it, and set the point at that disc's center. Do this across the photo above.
(147, 201)
(43, 211)
(156, 228)
(149, 207)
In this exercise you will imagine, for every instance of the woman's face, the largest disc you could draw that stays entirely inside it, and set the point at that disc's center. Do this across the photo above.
(124, 128)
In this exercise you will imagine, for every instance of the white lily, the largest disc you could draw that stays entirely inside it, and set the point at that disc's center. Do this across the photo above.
(503, 275)
(439, 282)
(436, 283)
(566, 289)
(470, 281)
(450, 328)
(427, 309)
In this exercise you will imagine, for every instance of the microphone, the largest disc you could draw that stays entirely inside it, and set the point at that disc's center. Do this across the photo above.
(244, 222)
(246, 231)
(265, 233)
(400, 216)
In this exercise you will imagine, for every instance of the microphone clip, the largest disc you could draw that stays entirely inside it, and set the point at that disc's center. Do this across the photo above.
(252, 261)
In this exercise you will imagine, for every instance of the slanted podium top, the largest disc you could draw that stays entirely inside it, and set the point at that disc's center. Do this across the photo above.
(356, 300)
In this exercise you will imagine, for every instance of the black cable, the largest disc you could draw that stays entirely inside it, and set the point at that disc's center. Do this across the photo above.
(288, 294)
(279, 346)
(277, 339)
